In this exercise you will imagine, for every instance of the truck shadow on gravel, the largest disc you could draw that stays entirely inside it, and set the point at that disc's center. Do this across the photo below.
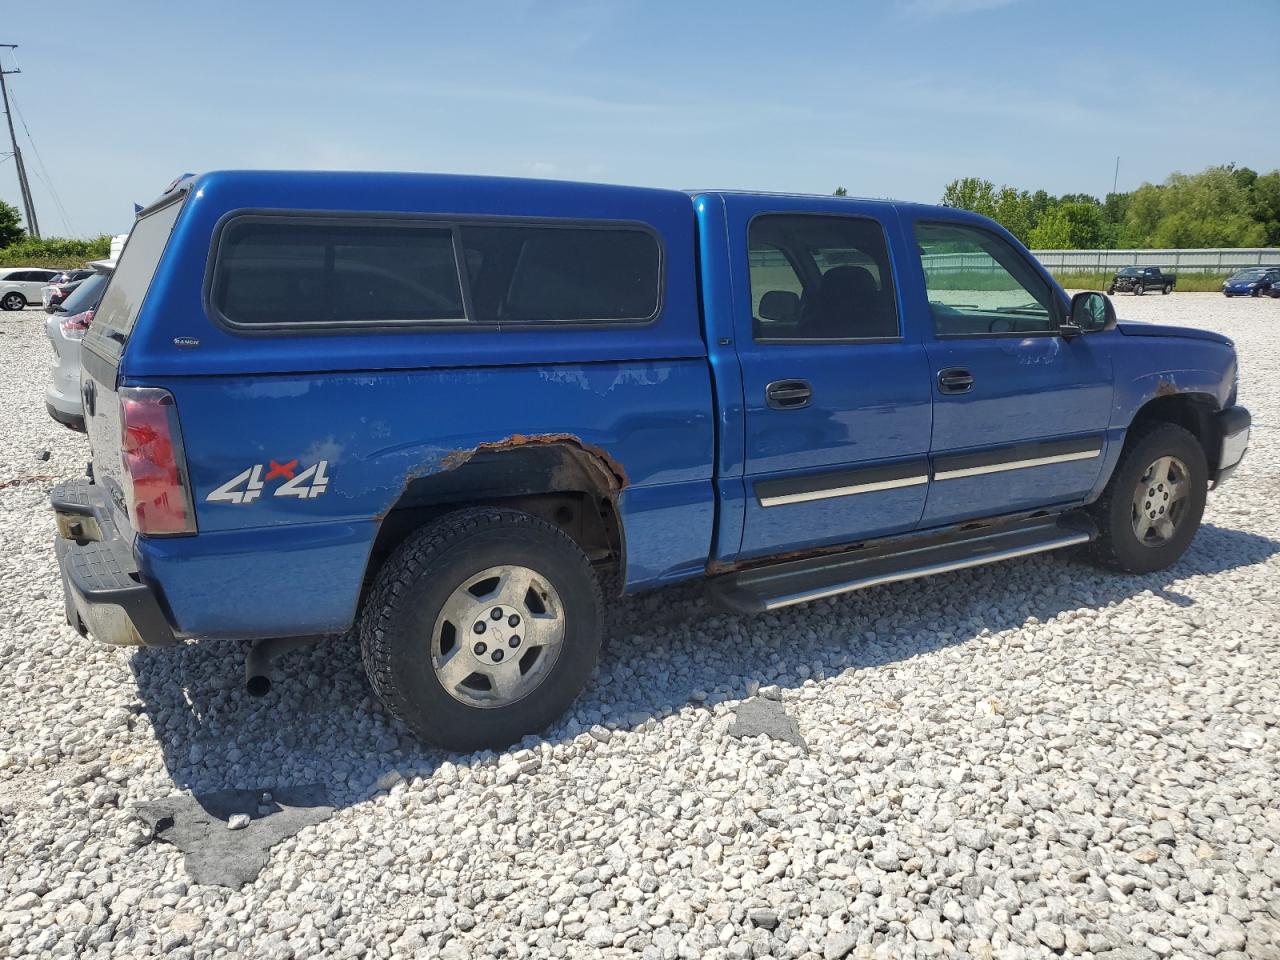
(666, 651)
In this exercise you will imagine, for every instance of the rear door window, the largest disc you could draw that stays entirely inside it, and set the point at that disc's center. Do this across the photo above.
(85, 296)
(820, 277)
(138, 262)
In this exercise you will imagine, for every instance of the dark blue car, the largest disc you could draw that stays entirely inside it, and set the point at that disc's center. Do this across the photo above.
(1253, 282)
(439, 416)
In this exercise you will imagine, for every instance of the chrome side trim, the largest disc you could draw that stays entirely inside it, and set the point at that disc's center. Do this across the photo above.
(1066, 540)
(1016, 464)
(843, 491)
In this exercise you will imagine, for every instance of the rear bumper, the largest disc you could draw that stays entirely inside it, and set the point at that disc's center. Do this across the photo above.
(103, 593)
(1233, 426)
(74, 421)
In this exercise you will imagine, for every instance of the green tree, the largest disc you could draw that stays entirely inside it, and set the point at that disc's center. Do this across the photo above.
(840, 192)
(1013, 211)
(10, 225)
(1208, 209)
(1080, 198)
(1069, 226)
(971, 193)
(1265, 204)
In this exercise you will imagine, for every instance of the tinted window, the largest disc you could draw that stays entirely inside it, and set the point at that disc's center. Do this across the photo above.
(978, 284)
(87, 294)
(281, 272)
(523, 274)
(820, 278)
(138, 261)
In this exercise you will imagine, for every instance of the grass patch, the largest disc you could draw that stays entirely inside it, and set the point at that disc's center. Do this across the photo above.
(1187, 282)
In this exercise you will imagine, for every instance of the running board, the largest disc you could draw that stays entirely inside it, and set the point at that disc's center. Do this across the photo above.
(798, 581)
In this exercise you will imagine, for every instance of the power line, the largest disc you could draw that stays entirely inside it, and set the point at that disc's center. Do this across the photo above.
(45, 179)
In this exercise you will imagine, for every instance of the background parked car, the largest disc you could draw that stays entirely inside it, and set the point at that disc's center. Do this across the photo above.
(1138, 280)
(20, 286)
(60, 287)
(66, 328)
(69, 276)
(1253, 282)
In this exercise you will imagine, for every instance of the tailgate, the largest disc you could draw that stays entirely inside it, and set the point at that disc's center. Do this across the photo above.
(107, 338)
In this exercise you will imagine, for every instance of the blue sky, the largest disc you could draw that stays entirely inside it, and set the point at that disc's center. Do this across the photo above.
(888, 99)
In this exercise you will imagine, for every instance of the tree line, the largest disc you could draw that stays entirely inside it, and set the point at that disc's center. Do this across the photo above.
(1222, 206)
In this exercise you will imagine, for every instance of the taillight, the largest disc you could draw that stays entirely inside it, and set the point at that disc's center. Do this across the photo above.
(74, 327)
(157, 491)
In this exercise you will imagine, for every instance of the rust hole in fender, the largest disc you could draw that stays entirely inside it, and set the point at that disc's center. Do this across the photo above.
(605, 466)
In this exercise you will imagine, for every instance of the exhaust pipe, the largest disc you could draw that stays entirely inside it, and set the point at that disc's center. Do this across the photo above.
(257, 665)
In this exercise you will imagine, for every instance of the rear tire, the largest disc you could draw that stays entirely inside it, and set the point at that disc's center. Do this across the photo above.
(457, 676)
(1166, 290)
(1168, 516)
(13, 301)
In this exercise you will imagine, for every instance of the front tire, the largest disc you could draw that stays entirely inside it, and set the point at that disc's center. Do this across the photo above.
(13, 301)
(1152, 506)
(1139, 289)
(482, 628)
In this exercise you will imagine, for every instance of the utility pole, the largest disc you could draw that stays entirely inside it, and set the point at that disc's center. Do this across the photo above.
(1116, 179)
(33, 226)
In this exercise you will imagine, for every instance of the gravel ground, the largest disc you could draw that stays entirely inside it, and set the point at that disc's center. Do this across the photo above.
(1025, 760)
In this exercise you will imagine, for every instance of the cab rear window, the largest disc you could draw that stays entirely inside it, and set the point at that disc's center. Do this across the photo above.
(138, 262)
(275, 272)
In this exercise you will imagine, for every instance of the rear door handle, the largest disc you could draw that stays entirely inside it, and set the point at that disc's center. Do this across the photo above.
(955, 380)
(788, 394)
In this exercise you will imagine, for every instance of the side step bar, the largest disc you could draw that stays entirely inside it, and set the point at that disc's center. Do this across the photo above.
(798, 581)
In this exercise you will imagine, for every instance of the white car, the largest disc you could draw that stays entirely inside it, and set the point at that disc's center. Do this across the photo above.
(20, 286)
(66, 328)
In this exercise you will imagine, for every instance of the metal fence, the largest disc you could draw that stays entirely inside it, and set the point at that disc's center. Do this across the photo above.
(1210, 260)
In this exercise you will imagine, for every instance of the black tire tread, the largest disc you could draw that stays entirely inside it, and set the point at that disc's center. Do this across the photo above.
(414, 557)
(1101, 550)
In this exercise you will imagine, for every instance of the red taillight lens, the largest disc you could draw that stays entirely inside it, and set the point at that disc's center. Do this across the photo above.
(74, 327)
(155, 469)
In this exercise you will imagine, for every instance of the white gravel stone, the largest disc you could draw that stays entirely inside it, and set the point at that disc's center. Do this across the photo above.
(1024, 760)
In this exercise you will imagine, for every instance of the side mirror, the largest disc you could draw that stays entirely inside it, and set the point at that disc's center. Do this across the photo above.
(780, 305)
(1090, 311)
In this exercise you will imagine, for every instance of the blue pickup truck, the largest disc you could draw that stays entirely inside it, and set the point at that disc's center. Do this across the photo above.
(439, 413)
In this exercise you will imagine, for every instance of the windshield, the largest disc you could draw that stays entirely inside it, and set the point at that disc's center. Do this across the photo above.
(1130, 272)
(137, 265)
(86, 296)
(1249, 275)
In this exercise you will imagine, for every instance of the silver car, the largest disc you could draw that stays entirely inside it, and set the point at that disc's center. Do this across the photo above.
(66, 327)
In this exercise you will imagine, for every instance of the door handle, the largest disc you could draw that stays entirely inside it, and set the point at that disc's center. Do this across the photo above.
(788, 394)
(955, 380)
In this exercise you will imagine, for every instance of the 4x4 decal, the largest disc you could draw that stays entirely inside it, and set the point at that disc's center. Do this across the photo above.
(247, 486)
